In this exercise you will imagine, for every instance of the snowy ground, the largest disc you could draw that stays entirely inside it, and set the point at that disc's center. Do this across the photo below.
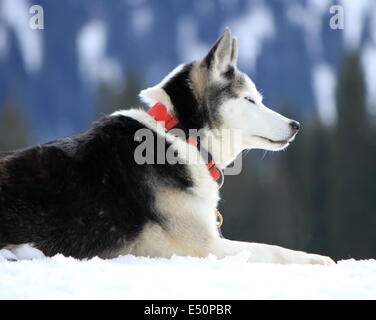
(129, 277)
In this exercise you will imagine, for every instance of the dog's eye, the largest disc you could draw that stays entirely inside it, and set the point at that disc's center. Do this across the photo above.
(250, 100)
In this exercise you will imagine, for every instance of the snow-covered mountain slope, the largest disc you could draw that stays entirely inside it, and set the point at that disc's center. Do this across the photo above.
(287, 46)
(129, 277)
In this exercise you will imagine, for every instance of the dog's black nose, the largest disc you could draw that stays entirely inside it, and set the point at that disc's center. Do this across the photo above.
(295, 125)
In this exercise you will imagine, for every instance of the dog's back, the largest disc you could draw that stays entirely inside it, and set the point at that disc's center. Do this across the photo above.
(5, 154)
(81, 195)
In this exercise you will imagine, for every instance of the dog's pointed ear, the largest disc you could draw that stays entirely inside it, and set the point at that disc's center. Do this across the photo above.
(223, 54)
(234, 51)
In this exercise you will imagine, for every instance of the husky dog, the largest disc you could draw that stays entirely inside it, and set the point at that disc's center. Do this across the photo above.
(86, 196)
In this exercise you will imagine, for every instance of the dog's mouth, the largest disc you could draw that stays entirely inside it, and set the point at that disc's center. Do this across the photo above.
(276, 142)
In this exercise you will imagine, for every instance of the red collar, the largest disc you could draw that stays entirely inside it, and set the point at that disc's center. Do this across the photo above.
(160, 113)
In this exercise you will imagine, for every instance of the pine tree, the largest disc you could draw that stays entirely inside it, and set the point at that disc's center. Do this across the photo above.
(352, 188)
(315, 156)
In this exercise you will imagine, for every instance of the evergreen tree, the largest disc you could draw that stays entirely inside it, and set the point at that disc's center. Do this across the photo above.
(352, 189)
(314, 156)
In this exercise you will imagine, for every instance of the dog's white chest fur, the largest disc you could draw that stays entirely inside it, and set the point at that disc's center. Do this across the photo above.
(189, 215)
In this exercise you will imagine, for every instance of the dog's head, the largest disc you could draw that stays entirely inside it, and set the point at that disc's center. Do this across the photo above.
(212, 93)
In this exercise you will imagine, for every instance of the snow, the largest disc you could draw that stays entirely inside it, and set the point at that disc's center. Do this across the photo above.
(128, 277)
(94, 64)
(188, 44)
(252, 28)
(310, 19)
(142, 20)
(324, 86)
(369, 64)
(369, 68)
(355, 14)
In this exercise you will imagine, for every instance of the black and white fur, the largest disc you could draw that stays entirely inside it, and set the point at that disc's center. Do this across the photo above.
(85, 196)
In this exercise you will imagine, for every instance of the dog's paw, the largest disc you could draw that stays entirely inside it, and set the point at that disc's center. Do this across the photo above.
(299, 257)
(7, 255)
(20, 252)
(317, 259)
(323, 260)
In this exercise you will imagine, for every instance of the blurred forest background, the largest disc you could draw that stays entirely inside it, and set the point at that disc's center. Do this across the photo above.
(319, 195)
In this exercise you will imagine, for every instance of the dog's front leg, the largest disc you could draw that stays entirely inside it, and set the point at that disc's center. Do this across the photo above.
(266, 253)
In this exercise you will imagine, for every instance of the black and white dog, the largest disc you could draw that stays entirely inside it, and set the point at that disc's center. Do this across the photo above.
(86, 195)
